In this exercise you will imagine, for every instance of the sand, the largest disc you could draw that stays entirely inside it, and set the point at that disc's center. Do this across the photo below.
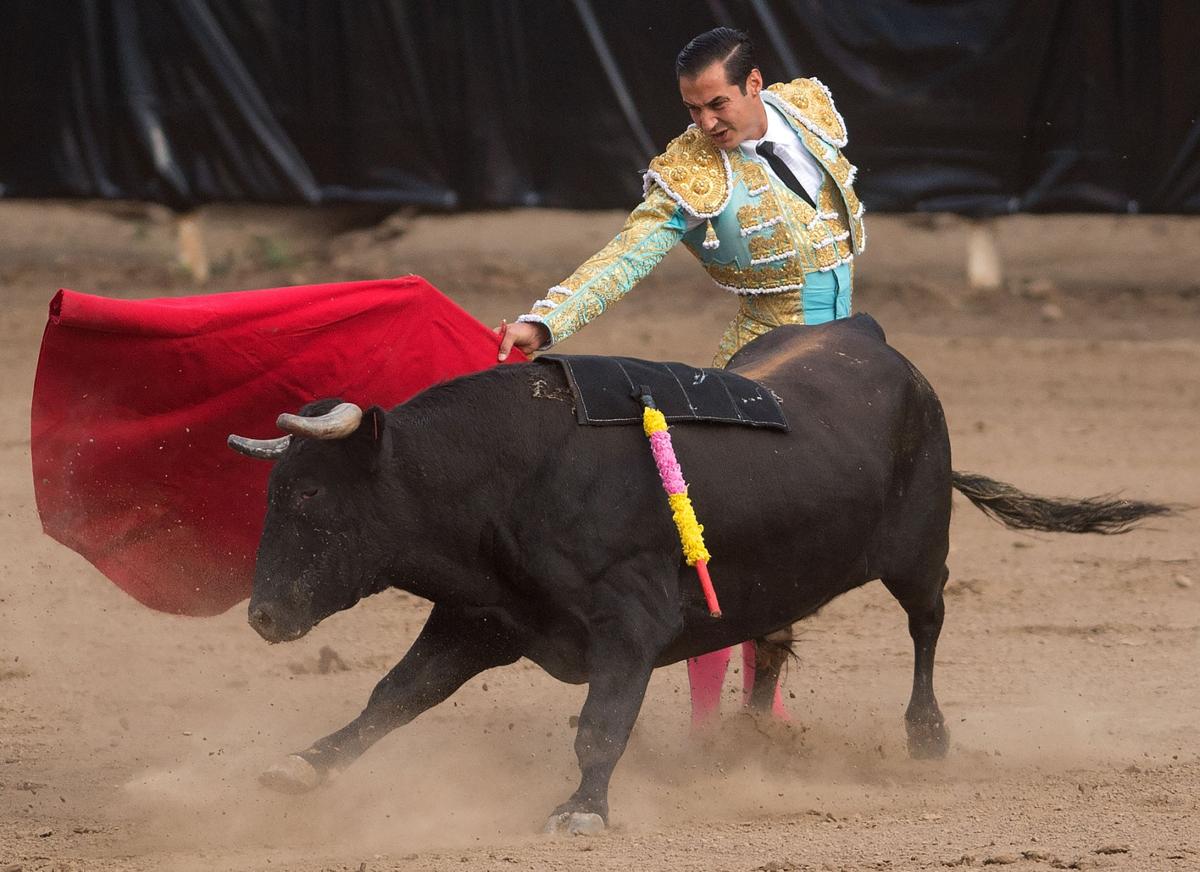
(1067, 669)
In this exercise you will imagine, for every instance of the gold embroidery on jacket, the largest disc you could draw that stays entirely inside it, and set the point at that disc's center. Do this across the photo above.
(693, 171)
(754, 177)
(758, 314)
(777, 244)
(784, 272)
(774, 310)
(827, 201)
(809, 98)
(839, 169)
(753, 217)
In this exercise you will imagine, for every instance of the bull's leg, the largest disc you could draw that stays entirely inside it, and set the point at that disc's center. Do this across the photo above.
(927, 733)
(769, 654)
(621, 656)
(452, 648)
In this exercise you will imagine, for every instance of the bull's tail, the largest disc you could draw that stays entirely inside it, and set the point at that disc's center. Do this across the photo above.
(1019, 510)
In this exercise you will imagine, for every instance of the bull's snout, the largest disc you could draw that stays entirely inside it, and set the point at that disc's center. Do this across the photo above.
(269, 624)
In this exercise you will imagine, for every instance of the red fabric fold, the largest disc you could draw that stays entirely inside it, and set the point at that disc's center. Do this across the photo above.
(133, 400)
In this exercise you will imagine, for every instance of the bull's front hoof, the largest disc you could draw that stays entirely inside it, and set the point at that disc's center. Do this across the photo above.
(574, 823)
(293, 775)
(928, 740)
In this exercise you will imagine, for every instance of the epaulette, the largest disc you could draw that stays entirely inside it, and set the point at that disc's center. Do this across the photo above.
(809, 102)
(694, 172)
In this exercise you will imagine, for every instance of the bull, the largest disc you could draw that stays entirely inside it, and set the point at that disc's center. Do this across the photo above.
(535, 537)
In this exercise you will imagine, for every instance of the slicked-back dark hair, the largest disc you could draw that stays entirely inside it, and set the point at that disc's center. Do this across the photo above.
(719, 44)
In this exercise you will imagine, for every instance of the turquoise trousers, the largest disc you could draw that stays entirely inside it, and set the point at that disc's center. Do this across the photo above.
(826, 295)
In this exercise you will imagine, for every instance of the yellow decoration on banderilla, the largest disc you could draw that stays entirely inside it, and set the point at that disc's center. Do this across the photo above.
(691, 534)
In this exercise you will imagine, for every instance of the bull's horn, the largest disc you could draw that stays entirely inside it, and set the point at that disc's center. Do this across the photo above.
(263, 449)
(336, 424)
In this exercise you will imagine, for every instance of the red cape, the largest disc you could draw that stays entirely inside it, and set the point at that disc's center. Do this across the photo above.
(133, 401)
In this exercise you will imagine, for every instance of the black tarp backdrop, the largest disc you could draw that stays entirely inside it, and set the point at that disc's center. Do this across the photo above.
(976, 106)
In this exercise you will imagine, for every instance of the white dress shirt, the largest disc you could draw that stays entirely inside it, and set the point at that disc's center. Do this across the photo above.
(788, 147)
(790, 150)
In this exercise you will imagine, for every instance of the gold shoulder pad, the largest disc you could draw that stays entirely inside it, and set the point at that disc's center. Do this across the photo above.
(810, 103)
(694, 172)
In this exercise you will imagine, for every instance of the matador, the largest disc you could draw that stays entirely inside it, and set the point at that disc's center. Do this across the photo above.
(757, 188)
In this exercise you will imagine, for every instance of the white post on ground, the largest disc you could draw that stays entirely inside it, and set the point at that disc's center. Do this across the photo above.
(984, 272)
(193, 256)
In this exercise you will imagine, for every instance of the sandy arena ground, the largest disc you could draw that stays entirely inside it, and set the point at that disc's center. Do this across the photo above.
(131, 740)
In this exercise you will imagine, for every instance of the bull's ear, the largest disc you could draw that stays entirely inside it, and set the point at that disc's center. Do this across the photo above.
(371, 442)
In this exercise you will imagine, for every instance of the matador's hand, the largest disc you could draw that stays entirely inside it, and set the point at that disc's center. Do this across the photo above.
(525, 335)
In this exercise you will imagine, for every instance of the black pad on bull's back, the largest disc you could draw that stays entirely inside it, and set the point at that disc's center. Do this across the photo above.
(607, 391)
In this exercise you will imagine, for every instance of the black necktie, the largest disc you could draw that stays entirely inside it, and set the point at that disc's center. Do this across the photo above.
(767, 150)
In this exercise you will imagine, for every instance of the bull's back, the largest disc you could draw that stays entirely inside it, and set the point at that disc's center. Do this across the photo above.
(797, 352)
(861, 418)
(839, 377)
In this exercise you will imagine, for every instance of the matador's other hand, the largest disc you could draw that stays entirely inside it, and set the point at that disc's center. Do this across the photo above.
(525, 335)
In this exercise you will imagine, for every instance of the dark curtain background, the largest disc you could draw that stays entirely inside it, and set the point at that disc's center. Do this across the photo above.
(976, 106)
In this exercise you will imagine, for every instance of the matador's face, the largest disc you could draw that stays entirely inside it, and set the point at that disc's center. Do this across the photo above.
(721, 110)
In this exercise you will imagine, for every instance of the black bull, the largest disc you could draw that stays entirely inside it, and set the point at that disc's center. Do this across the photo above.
(536, 537)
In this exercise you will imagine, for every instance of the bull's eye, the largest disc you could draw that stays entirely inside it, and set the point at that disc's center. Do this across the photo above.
(308, 493)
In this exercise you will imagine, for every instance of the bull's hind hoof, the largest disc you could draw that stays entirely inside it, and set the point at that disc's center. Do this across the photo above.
(574, 823)
(928, 740)
(293, 775)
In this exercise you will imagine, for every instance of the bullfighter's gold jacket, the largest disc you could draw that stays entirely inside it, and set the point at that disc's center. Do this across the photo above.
(755, 236)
